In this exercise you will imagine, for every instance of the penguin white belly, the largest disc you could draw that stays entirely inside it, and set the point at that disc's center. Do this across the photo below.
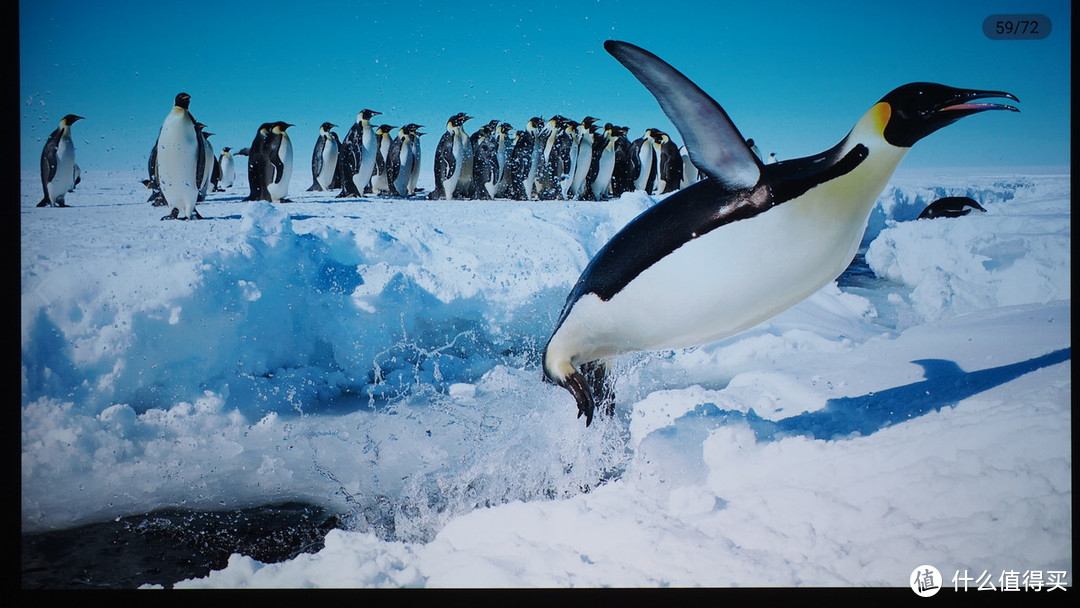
(367, 164)
(177, 163)
(645, 155)
(228, 172)
(64, 179)
(280, 189)
(721, 283)
(329, 163)
(451, 182)
(603, 176)
(401, 182)
(414, 171)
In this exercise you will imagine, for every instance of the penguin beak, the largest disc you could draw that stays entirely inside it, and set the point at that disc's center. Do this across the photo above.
(962, 102)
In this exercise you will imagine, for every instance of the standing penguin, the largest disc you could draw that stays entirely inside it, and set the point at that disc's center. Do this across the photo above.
(400, 160)
(486, 170)
(179, 153)
(414, 172)
(450, 157)
(669, 165)
(690, 172)
(379, 183)
(58, 164)
(644, 162)
(279, 156)
(503, 146)
(741, 246)
(590, 135)
(204, 171)
(257, 164)
(324, 158)
(623, 174)
(357, 155)
(228, 171)
(524, 160)
(597, 184)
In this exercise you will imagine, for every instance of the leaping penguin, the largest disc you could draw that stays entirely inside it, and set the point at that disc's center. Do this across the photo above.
(742, 245)
(179, 154)
(58, 164)
(324, 158)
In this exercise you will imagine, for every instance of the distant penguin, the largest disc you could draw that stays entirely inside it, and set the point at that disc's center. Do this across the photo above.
(450, 157)
(503, 147)
(357, 155)
(414, 174)
(324, 158)
(753, 148)
(204, 171)
(741, 246)
(524, 160)
(555, 148)
(690, 173)
(401, 160)
(215, 175)
(669, 165)
(179, 154)
(279, 156)
(486, 169)
(228, 170)
(384, 137)
(644, 162)
(598, 182)
(465, 182)
(950, 206)
(624, 173)
(58, 164)
(257, 164)
(771, 159)
(583, 155)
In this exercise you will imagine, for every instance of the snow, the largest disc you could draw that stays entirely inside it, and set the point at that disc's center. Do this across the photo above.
(380, 357)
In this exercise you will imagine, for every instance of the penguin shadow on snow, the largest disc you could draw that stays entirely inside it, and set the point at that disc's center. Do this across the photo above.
(945, 384)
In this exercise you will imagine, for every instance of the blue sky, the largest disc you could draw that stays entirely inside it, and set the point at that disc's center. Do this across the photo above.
(795, 76)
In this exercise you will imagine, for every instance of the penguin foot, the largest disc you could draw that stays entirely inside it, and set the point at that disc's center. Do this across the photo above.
(172, 216)
(579, 388)
(44, 203)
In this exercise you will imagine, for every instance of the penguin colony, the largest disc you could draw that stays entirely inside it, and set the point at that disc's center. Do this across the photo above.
(741, 238)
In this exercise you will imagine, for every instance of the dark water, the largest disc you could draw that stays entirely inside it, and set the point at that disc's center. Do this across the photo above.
(168, 546)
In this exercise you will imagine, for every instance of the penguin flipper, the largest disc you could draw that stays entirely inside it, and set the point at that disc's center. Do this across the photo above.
(712, 140)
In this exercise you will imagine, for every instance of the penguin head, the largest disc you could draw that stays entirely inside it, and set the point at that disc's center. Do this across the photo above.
(366, 115)
(916, 110)
(384, 130)
(69, 120)
(326, 126)
(225, 150)
(183, 100)
(280, 126)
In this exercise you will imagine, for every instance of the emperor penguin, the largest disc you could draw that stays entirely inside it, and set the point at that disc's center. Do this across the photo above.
(78, 178)
(204, 171)
(414, 173)
(379, 184)
(324, 158)
(950, 206)
(771, 159)
(58, 164)
(669, 165)
(690, 172)
(742, 245)
(486, 163)
(357, 155)
(228, 170)
(450, 156)
(179, 154)
(400, 160)
(257, 164)
(524, 160)
(623, 174)
(554, 144)
(503, 147)
(279, 157)
(598, 181)
(589, 134)
(643, 160)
